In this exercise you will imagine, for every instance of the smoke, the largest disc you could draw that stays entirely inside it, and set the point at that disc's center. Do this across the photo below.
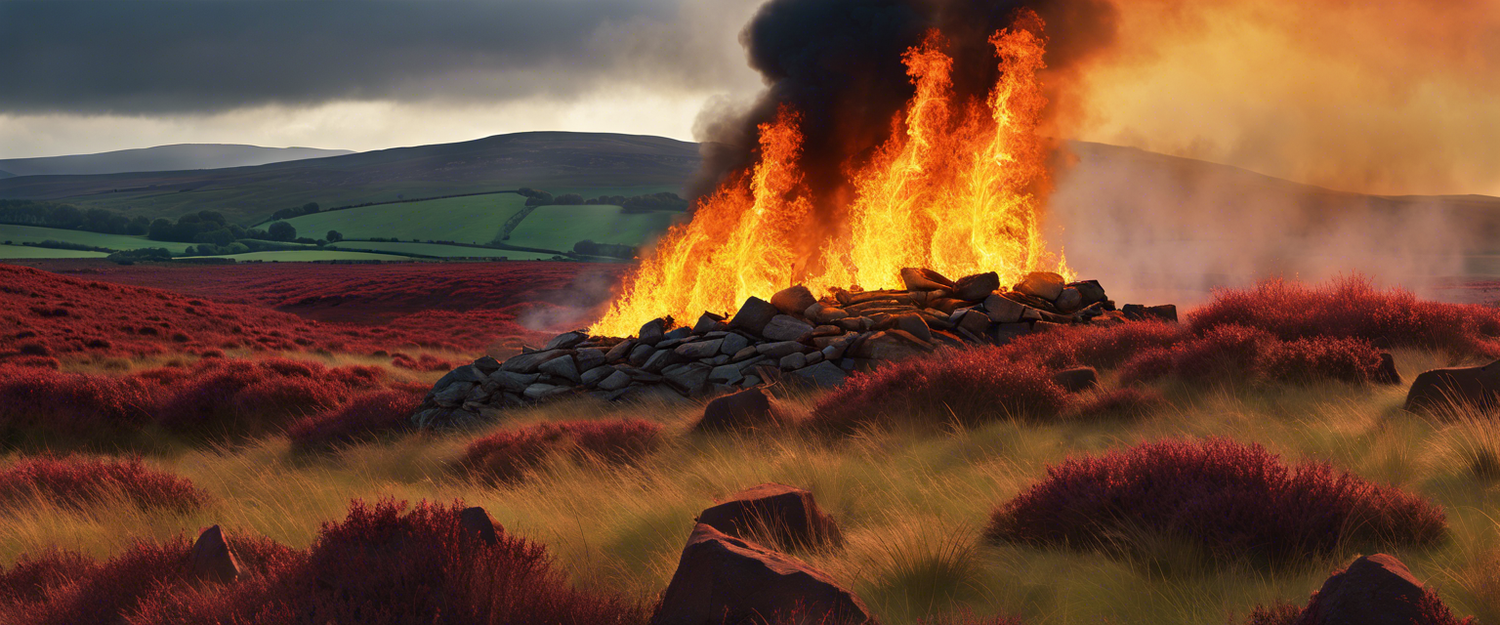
(837, 63)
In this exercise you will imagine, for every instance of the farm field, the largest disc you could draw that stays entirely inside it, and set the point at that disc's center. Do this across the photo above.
(560, 227)
(440, 250)
(302, 256)
(468, 219)
(27, 251)
(938, 448)
(35, 234)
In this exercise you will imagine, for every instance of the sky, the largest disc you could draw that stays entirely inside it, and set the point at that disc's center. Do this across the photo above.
(1379, 96)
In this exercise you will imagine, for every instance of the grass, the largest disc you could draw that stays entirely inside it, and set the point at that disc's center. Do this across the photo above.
(440, 250)
(27, 251)
(559, 227)
(302, 256)
(468, 219)
(911, 501)
(37, 234)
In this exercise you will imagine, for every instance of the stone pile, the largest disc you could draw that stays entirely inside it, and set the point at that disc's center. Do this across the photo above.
(795, 338)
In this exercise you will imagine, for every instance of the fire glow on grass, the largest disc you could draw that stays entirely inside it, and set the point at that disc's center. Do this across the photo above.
(957, 188)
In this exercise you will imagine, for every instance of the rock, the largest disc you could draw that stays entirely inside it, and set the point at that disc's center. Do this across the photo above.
(780, 349)
(566, 340)
(750, 381)
(750, 351)
(689, 378)
(652, 332)
(540, 391)
(660, 360)
(745, 410)
(1387, 373)
(976, 287)
(615, 381)
(531, 363)
(1090, 291)
(698, 350)
(429, 418)
(1439, 390)
(512, 381)
(479, 523)
(1374, 590)
(453, 395)
(753, 315)
(1043, 284)
(589, 358)
(824, 314)
(211, 559)
(733, 343)
(794, 300)
(709, 322)
(823, 374)
(919, 279)
(728, 374)
(677, 334)
(1003, 309)
(641, 354)
(1076, 379)
(835, 350)
(723, 579)
(486, 365)
(620, 351)
(914, 325)
(1165, 312)
(785, 516)
(887, 346)
(1069, 300)
(785, 328)
(973, 322)
(561, 367)
(594, 376)
(792, 361)
(466, 373)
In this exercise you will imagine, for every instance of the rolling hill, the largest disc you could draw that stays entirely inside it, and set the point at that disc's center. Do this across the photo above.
(161, 158)
(6, 174)
(558, 162)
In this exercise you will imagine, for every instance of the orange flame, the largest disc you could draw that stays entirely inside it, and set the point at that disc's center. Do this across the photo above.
(958, 188)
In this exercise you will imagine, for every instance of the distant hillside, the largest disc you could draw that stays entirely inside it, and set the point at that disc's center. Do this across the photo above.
(6, 174)
(161, 158)
(558, 162)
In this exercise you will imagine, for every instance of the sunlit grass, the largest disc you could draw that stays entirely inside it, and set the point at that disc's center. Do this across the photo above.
(910, 501)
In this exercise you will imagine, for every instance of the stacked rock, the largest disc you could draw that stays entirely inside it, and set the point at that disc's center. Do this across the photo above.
(796, 337)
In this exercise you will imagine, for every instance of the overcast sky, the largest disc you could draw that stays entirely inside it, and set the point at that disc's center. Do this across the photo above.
(94, 75)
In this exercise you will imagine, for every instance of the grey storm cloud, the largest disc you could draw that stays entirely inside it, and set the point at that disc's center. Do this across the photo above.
(161, 56)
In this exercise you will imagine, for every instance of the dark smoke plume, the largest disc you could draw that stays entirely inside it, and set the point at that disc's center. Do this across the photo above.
(838, 64)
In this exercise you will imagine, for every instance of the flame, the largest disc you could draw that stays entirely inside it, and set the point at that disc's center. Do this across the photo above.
(958, 188)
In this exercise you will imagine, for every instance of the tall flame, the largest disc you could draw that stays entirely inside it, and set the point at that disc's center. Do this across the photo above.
(958, 188)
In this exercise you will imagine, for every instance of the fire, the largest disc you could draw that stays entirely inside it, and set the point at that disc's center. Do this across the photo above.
(958, 188)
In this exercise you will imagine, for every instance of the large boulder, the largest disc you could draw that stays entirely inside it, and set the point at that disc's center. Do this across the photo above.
(976, 287)
(783, 515)
(723, 580)
(1438, 389)
(753, 315)
(211, 559)
(1043, 284)
(793, 301)
(920, 279)
(1374, 590)
(746, 410)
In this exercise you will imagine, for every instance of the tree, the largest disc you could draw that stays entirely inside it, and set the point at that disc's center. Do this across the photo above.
(282, 231)
(138, 225)
(334, 236)
(160, 230)
(309, 208)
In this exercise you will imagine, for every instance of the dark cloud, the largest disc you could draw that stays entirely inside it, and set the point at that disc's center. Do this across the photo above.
(176, 56)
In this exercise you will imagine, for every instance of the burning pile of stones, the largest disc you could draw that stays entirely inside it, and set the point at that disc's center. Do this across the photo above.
(794, 338)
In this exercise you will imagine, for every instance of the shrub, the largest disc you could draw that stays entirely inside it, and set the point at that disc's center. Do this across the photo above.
(1151, 364)
(367, 415)
(1230, 499)
(1321, 358)
(31, 578)
(1224, 352)
(967, 386)
(507, 455)
(75, 482)
(71, 404)
(1093, 346)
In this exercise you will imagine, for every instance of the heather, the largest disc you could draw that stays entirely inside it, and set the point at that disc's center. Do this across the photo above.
(508, 455)
(76, 482)
(366, 415)
(1229, 499)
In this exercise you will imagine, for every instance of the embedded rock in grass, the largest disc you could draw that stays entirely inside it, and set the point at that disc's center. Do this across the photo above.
(976, 287)
(785, 328)
(787, 516)
(1374, 590)
(746, 410)
(1387, 373)
(211, 559)
(794, 300)
(753, 315)
(477, 521)
(1077, 379)
(1443, 389)
(722, 579)
(1043, 284)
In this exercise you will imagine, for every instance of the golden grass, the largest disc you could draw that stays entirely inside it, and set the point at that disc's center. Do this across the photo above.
(909, 502)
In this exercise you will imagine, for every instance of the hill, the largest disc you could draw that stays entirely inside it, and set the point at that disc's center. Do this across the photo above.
(6, 174)
(185, 156)
(559, 162)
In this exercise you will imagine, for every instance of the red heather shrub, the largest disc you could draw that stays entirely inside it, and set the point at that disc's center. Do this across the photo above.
(1093, 346)
(1353, 308)
(507, 455)
(1229, 351)
(281, 399)
(427, 362)
(33, 577)
(75, 481)
(967, 386)
(258, 395)
(71, 405)
(40, 362)
(1324, 357)
(366, 415)
(1148, 365)
(1127, 403)
(1231, 499)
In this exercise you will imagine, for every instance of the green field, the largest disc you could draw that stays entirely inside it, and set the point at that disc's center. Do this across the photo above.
(27, 251)
(302, 256)
(559, 227)
(469, 219)
(439, 250)
(36, 234)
